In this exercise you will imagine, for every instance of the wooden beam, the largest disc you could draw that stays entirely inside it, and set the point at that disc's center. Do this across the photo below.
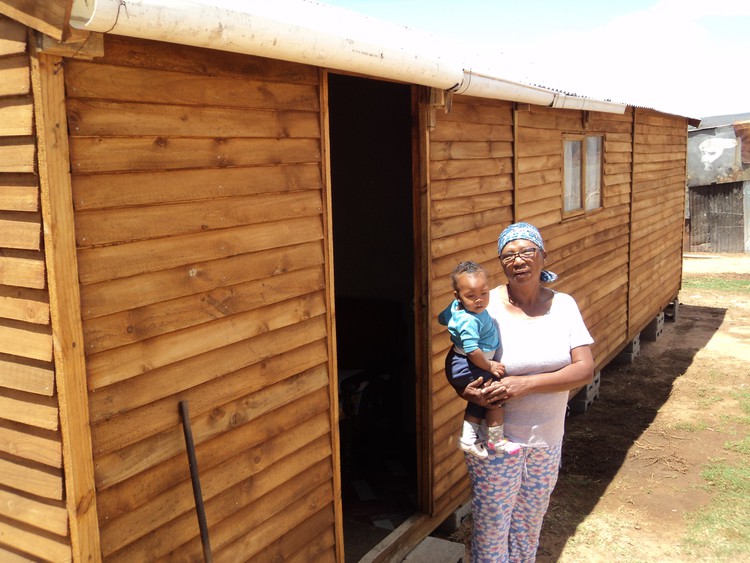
(79, 45)
(62, 271)
(423, 280)
(50, 17)
(338, 514)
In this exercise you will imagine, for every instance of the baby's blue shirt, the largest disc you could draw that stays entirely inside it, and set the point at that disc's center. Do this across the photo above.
(468, 330)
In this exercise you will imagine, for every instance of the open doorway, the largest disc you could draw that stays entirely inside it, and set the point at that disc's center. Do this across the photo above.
(373, 246)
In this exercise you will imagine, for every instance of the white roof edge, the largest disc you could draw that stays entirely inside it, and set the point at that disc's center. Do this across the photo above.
(312, 33)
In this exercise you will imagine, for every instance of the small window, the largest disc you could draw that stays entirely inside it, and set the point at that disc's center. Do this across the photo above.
(582, 173)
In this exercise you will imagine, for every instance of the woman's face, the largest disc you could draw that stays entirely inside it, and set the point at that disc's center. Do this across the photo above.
(522, 261)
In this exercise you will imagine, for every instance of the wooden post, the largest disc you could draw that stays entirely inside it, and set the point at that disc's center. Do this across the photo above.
(425, 114)
(333, 381)
(65, 310)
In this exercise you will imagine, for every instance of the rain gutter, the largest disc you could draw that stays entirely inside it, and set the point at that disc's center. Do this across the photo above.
(307, 32)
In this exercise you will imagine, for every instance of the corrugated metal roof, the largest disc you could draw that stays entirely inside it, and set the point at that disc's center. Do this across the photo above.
(721, 120)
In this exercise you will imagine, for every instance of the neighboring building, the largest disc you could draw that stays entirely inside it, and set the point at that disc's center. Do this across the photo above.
(259, 217)
(718, 201)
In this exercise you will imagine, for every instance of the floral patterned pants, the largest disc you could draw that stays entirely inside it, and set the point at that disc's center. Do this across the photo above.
(510, 497)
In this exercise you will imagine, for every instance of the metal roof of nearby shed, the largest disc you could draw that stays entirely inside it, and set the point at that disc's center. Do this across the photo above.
(719, 120)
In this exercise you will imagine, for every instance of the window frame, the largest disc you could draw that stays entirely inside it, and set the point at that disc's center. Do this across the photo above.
(584, 192)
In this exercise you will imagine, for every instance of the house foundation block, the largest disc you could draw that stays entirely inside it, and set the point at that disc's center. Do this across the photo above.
(654, 329)
(672, 312)
(585, 397)
(454, 521)
(629, 353)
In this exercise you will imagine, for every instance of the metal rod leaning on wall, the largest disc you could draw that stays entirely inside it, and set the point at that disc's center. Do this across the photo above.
(195, 478)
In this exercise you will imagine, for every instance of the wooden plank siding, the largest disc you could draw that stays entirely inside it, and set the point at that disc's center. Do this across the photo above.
(492, 164)
(659, 171)
(197, 181)
(33, 514)
(50, 17)
(471, 181)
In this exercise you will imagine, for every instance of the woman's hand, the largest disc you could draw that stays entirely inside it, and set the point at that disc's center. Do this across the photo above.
(516, 386)
(489, 395)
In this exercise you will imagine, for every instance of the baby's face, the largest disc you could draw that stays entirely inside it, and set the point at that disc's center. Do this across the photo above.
(473, 292)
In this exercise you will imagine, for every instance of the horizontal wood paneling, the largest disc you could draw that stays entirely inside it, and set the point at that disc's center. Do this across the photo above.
(25, 340)
(19, 192)
(471, 182)
(24, 374)
(215, 479)
(15, 79)
(595, 246)
(34, 444)
(21, 304)
(96, 117)
(49, 17)
(111, 226)
(34, 410)
(22, 268)
(142, 257)
(36, 480)
(52, 517)
(197, 188)
(41, 547)
(17, 154)
(136, 84)
(16, 116)
(33, 516)
(659, 168)
(21, 230)
(12, 37)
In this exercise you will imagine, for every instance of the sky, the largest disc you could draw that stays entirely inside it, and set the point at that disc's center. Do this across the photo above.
(687, 57)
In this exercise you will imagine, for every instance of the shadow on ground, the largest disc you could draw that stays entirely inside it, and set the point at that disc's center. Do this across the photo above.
(597, 443)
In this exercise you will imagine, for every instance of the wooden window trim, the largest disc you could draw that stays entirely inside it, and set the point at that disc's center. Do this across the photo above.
(581, 211)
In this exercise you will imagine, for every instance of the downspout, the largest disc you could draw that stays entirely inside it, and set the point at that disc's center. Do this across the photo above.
(307, 32)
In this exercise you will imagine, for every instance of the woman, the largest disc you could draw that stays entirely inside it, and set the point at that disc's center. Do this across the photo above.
(545, 348)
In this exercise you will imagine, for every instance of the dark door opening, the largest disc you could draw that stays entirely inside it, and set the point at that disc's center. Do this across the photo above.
(373, 247)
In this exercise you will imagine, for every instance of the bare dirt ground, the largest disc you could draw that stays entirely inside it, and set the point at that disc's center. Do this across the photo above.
(631, 475)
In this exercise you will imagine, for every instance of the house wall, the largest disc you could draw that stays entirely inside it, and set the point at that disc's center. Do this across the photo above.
(197, 189)
(659, 171)
(33, 515)
(471, 181)
(622, 263)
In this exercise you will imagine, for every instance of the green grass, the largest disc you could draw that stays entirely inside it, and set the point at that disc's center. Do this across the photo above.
(691, 426)
(716, 284)
(720, 531)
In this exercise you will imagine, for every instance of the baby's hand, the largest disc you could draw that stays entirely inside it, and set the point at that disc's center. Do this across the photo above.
(497, 369)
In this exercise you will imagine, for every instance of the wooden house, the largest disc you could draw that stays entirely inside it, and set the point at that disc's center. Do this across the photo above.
(267, 238)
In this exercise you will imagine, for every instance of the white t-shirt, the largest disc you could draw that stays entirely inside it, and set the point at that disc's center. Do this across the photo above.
(537, 345)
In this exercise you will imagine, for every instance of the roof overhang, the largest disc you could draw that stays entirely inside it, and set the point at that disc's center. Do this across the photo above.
(312, 33)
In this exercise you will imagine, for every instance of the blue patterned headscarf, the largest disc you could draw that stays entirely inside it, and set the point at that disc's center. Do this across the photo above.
(529, 232)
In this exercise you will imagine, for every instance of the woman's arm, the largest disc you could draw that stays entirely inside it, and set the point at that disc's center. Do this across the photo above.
(492, 394)
(577, 374)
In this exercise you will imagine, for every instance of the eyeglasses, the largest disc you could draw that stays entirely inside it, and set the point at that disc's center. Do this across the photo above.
(525, 254)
